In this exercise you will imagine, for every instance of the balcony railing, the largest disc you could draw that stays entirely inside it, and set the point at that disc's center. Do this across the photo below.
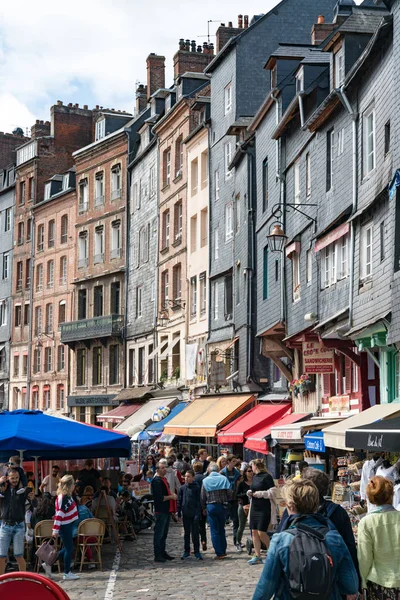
(87, 329)
(115, 194)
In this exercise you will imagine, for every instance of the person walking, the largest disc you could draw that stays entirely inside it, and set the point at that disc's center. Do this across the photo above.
(215, 495)
(13, 497)
(50, 482)
(174, 483)
(331, 576)
(260, 508)
(163, 498)
(189, 509)
(233, 476)
(379, 543)
(66, 513)
(199, 477)
(243, 504)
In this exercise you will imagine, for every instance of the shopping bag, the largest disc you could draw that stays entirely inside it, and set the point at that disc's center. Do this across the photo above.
(47, 552)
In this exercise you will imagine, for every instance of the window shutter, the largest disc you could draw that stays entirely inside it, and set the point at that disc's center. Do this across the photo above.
(348, 373)
(326, 379)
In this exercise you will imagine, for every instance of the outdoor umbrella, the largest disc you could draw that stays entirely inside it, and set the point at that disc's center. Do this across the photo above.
(379, 436)
(35, 434)
(140, 436)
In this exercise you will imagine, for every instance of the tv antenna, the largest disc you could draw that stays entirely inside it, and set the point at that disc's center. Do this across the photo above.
(208, 36)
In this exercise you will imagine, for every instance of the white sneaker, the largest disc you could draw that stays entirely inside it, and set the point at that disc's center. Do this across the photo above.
(70, 576)
(47, 569)
(91, 566)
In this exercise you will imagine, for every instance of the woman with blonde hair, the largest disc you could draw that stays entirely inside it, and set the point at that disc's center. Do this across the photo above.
(379, 543)
(221, 462)
(64, 518)
(260, 509)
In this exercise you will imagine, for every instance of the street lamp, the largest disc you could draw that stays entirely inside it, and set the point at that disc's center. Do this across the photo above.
(277, 238)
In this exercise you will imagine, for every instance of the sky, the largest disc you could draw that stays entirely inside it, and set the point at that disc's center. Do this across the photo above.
(94, 51)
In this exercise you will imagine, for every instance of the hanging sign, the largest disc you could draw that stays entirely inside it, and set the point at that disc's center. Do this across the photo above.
(317, 358)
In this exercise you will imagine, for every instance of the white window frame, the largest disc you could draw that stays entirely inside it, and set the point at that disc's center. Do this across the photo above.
(297, 189)
(369, 145)
(335, 262)
(228, 98)
(300, 80)
(309, 264)
(83, 202)
(296, 276)
(366, 246)
(216, 244)
(139, 301)
(339, 68)
(216, 306)
(3, 312)
(308, 174)
(340, 141)
(100, 129)
(193, 297)
(116, 182)
(216, 185)
(99, 188)
(168, 167)
(99, 242)
(228, 159)
(7, 222)
(229, 221)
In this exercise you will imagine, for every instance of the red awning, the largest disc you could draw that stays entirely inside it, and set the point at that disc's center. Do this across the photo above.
(243, 426)
(256, 440)
(332, 236)
(119, 414)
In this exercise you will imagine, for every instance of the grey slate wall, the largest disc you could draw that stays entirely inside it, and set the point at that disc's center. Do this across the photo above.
(7, 201)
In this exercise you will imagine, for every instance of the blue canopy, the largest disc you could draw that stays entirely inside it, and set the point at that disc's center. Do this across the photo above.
(158, 426)
(315, 441)
(47, 437)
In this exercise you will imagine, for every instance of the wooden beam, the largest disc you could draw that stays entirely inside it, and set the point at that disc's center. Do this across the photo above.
(286, 351)
(281, 365)
(355, 358)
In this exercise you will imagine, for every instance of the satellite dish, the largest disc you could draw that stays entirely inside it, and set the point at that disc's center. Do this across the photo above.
(18, 131)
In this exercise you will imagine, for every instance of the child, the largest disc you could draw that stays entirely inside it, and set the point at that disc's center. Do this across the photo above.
(149, 476)
(189, 508)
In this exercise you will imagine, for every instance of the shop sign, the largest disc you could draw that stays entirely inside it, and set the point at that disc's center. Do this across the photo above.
(103, 400)
(339, 404)
(315, 444)
(290, 435)
(318, 358)
(141, 488)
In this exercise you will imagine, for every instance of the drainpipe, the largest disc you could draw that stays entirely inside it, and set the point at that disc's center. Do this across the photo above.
(30, 326)
(156, 285)
(301, 109)
(354, 115)
(251, 242)
(127, 233)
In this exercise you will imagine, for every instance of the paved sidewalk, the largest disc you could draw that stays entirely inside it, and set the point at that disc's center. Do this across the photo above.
(138, 577)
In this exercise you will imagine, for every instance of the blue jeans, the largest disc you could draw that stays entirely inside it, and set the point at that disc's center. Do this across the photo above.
(216, 519)
(68, 545)
(16, 533)
(160, 534)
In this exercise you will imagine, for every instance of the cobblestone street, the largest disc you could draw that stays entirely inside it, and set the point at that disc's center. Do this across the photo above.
(139, 577)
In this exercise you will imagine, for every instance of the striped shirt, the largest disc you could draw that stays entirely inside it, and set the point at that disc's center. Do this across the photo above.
(66, 512)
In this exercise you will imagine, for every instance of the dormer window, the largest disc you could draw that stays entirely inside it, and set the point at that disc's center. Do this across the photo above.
(300, 81)
(100, 129)
(273, 78)
(47, 190)
(339, 68)
(65, 182)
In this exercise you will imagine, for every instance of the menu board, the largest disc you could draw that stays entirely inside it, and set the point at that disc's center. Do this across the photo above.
(338, 492)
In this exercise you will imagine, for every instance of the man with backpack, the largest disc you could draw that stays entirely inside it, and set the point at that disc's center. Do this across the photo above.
(307, 561)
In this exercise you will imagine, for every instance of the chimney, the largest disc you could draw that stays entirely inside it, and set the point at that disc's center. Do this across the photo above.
(40, 129)
(156, 72)
(224, 34)
(240, 21)
(191, 58)
(246, 21)
(320, 31)
(141, 98)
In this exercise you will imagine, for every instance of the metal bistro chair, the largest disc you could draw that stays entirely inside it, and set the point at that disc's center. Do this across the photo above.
(93, 530)
(43, 532)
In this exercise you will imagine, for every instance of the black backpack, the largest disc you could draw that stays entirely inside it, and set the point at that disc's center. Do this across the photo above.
(310, 568)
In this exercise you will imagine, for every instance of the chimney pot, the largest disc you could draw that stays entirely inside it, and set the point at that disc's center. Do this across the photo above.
(59, 102)
(230, 24)
(199, 49)
(193, 45)
(37, 121)
(222, 24)
(97, 107)
(246, 21)
(187, 45)
(181, 44)
(85, 106)
(211, 49)
(69, 104)
(240, 21)
(321, 19)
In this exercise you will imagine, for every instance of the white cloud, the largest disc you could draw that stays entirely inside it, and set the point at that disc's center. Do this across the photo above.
(14, 113)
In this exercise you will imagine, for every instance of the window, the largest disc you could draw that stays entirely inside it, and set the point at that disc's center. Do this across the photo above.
(139, 301)
(64, 229)
(335, 262)
(339, 68)
(237, 284)
(18, 315)
(47, 190)
(167, 167)
(228, 98)
(65, 182)
(6, 265)
(330, 139)
(150, 366)
(135, 196)
(382, 241)
(178, 220)
(115, 295)
(369, 140)
(387, 137)
(3, 359)
(98, 301)
(60, 400)
(177, 283)
(216, 300)
(37, 360)
(7, 219)
(228, 159)
(97, 370)
(24, 365)
(216, 244)
(131, 373)
(40, 238)
(193, 233)
(193, 297)
(61, 358)
(113, 353)
(20, 269)
(309, 266)
(99, 189)
(62, 310)
(366, 251)
(38, 320)
(228, 297)
(216, 186)
(164, 289)
(16, 365)
(39, 278)
(31, 189)
(265, 273)
(203, 293)
(63, 270)
(46, 399)
(297, 182)
(115, 251)
(26, 314)
(82, 304)
(165, 229)
(81, 367)
(28, 273)
(116, 182)
(153, 180)
(35, 397)
(300, 81)
(228, 221)
(179, 156)
(50, 273)
(237, 212)
(340, 141)
(100, 129)
(204, 228)
(20, 235)
(194, 175)
(141, 365)
(83, 249)
(22, 193)
(29, 230)
(344, 251)
(49, 318)
(98, 245)
(3, 313)
(48, 359)
(83, 202)
(204, 169)
(296, 276)
(265, 185)
(308, 175)
(51, 232)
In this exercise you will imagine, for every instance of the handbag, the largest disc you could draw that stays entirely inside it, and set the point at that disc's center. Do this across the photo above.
(47, 552)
